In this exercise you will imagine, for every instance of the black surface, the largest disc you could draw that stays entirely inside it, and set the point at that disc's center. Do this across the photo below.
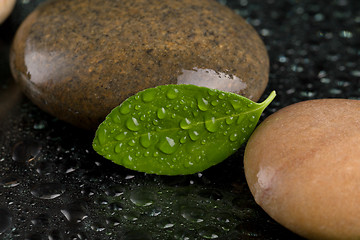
(53, 186)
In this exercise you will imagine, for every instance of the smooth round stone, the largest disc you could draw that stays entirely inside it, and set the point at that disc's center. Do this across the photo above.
(6, 6)
(79, 59)
(302, 166)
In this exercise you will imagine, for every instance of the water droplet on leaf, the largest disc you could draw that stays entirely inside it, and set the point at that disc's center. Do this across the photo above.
(127, 160)
(240, 119)
(132, 142)
(133, 124)
(233, 137)
(145, 140)
(118, 148)
(161, 113)
(210, 123)
(229, 120)
(149, 95)
(185, 123)
(172, 93)
(102, 136)
(121, 136)
(183, 140)
(215, 102)
(203, 104)
(212, 92)
(194, 135)
(236, 104)
(125, 108)
(168, 145)
(252, 118)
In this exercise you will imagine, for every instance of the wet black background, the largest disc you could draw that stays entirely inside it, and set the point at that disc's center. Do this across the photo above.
(53, 186)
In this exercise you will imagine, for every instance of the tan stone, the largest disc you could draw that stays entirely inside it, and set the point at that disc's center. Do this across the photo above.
(302, 165)
(6, 6)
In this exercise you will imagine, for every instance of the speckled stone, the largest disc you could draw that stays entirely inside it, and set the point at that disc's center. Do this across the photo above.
(79, 59)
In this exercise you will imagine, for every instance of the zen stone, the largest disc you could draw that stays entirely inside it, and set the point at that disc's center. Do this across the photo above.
(79, 59)
(6, 6)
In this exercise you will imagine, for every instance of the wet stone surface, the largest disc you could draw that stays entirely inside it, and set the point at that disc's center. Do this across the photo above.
(79, 59)
(314, 51)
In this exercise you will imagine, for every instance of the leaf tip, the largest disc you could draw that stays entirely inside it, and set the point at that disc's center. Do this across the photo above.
(269, 99)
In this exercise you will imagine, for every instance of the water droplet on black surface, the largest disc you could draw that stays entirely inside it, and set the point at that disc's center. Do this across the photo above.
(209, 232)
(182, 234)
(213, 194)
(193, 214)
(5, 220)
(41, 220)
(40, 125)
(115, 206)
(137, 235)
(74, 212)
(10, 181)
(48, 190)
(57, 235)
(131, 215)
(166, 223)
(25, 151)
(115, 191)
(153, 212)
(142, 197)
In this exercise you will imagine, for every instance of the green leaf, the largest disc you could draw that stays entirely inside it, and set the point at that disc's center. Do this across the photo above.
(177, 129)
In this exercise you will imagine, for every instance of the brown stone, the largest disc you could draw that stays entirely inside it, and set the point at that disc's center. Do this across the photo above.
(79, 59)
